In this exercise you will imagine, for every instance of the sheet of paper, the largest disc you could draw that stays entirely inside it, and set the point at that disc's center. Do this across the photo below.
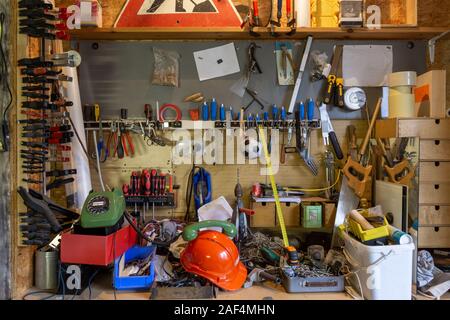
(216, 62)
(367, 65)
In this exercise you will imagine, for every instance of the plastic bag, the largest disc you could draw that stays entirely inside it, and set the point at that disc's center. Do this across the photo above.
(166, 68)
(320, 65)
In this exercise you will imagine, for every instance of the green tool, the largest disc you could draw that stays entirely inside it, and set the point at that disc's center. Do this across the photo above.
(102, 209)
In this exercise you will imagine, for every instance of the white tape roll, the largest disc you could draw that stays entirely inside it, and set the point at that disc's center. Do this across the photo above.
(355, 98)
(405, 78)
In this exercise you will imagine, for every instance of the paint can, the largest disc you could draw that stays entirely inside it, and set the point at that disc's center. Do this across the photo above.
(45, 271)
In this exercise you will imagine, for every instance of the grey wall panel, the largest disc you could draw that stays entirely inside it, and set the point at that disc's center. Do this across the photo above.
(118, 75)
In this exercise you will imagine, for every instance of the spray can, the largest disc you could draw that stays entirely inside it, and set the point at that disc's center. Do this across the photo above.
(398, 236)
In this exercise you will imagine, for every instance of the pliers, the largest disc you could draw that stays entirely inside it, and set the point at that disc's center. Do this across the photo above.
(126, 137)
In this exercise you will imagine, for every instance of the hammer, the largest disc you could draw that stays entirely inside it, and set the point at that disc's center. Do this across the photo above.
(259, 275)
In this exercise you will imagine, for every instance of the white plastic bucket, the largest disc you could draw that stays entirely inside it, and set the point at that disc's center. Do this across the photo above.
(384, 272)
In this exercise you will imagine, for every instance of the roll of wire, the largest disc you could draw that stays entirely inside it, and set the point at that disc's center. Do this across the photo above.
(169, 106)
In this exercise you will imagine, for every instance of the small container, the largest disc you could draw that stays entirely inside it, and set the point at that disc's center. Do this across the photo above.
(135, 282)
(368, 236)
(311, 215)
(45, 270)
(256, 190)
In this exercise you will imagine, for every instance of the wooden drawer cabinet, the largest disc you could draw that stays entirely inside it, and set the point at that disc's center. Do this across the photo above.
(434, 216)
(291, 214)
(434, 172)
(434, 237)
(432, 150)
(434, 193)
(264, 214)
(424, 128)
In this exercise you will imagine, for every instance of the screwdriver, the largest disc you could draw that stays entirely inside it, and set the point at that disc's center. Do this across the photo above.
(311, 106)
(213, 109)
(283, 114)
(301, 109)
(222, 112)
(274, 112)
(205, 115)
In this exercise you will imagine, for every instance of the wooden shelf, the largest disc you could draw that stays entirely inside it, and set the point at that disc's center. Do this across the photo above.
(400, 33)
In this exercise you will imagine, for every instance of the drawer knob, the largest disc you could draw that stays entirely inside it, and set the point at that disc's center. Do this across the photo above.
(437, 142)
(436, 186)
(436, 229)
(437, 208)
(437, 163)
(437, 121)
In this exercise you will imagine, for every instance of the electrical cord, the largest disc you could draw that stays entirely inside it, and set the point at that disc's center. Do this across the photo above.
(189, 191)
(142, 235)
(4, 65)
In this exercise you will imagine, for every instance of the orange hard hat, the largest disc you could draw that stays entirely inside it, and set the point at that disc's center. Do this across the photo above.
(214, 256)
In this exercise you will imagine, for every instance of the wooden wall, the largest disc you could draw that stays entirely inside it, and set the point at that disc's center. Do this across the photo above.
(431, 13)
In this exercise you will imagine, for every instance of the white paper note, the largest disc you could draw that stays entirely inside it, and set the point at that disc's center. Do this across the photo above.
(367, 65)
(216, 62)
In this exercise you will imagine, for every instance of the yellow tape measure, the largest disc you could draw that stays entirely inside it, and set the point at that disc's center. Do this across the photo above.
(274, 187)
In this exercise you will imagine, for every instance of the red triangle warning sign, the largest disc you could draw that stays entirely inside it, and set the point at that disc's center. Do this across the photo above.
(178, 13)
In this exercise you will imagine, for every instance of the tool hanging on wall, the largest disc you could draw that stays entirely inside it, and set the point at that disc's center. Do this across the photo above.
(358, 173)
(335, 83)
(328, 133)
(202, 188)
(300, 74)
(240, 213)
(303, 125)
(276, 23)
(285, 63)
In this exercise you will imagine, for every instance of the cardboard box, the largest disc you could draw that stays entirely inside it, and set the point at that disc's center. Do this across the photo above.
(430, 93)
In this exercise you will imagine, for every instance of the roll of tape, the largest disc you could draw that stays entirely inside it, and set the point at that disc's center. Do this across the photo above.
(355, 98)
(404, 78)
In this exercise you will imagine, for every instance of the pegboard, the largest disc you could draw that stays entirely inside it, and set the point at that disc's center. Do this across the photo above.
(118, 75)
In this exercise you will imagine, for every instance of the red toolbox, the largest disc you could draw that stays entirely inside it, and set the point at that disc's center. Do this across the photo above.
(96, 250)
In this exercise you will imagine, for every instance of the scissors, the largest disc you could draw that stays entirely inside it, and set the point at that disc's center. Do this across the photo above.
(151, 138)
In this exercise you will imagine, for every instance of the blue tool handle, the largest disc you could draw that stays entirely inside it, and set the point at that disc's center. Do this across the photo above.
(222, 113)
(258, 119)
(213, 109)
(283, 114)
(311, 107)
(266, 116)
(275, 112)
(205, 112)
(231, 113)
(301, 110)
(335, 143)
(280, 9)
(250, 117)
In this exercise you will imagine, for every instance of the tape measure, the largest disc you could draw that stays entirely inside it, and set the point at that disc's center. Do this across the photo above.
(274, 187)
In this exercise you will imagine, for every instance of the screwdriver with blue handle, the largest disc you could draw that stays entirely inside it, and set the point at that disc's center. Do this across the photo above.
(205, 111)
(222, 113)
(213, 109)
